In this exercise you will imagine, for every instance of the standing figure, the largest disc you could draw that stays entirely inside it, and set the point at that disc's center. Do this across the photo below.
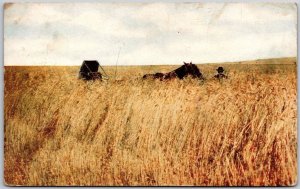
(220, 74)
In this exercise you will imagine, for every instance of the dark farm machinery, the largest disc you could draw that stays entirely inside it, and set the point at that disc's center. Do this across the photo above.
(89, 70)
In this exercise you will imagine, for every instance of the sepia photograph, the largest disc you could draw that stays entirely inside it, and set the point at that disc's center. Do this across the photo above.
(150, 94)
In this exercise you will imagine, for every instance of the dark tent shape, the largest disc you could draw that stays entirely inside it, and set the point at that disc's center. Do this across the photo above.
(89, 70)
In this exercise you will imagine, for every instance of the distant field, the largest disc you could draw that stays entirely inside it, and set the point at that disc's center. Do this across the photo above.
(132, 72)
(237, 132)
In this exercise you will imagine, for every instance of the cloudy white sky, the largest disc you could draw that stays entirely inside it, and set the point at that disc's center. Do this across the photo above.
(155, 33)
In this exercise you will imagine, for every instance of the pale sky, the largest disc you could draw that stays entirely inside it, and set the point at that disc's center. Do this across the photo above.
(153, 33)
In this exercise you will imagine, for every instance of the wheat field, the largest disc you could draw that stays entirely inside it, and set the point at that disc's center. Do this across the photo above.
(61, 131)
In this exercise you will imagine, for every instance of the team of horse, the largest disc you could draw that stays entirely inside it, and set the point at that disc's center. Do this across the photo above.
(181, 72)
(187, 69)
(89, 71)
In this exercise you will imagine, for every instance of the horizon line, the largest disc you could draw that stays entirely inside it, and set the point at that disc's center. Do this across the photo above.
(226, 62)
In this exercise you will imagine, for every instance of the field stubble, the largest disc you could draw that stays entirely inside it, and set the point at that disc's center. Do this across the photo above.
(63, 131)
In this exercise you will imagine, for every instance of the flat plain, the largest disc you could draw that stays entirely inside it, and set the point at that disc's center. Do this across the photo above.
(241, 131)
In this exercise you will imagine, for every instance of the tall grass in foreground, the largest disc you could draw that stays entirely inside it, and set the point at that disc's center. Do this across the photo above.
(63, 131)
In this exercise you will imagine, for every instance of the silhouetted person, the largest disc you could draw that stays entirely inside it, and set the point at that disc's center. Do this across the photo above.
(220, 74)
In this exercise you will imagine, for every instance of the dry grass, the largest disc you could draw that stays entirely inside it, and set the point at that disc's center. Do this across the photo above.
(63, 131)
